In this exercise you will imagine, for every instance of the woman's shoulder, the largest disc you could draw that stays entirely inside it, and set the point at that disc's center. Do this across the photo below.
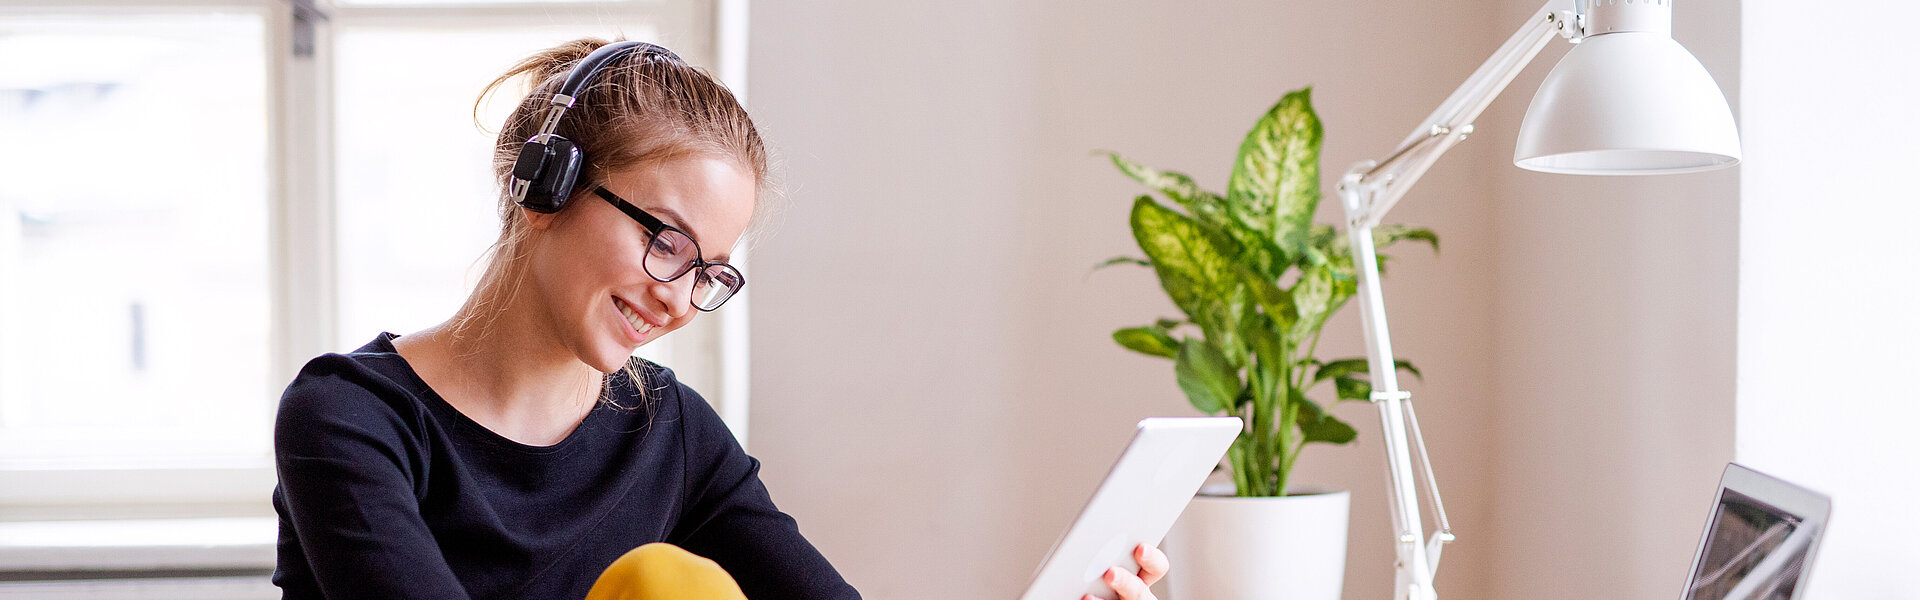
(369, 383)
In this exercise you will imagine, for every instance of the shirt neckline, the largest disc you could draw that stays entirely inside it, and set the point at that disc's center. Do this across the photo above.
(384, 344)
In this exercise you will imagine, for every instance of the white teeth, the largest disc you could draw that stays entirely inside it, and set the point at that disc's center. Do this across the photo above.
(633, 319)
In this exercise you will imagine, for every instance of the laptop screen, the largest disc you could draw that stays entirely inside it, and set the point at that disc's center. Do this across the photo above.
(1753, 551)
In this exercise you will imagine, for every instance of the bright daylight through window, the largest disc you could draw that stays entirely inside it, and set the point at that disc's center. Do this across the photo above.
(202, 197)
(133, 240)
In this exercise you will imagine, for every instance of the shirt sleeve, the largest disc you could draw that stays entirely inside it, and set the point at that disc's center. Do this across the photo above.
(348, 473)
(731, 519)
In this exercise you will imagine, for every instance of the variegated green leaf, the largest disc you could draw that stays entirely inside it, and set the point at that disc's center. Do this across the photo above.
(1196, 269)
(1311, 296)
(1275, 184)
(1193, 266)
(1277, 303)
(1207, 206)
(1147, 340)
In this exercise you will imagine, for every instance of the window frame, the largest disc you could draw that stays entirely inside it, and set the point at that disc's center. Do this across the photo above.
(303, 276)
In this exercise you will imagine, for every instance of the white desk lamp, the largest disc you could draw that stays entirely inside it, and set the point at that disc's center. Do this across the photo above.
(1627, 100)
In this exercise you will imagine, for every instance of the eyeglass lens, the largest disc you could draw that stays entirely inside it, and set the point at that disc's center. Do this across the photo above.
(671, 254)
(716, 284)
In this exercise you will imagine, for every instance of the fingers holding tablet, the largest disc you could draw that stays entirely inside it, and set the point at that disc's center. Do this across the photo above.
(1133, 586)
(1153, 563)
(1129, 586)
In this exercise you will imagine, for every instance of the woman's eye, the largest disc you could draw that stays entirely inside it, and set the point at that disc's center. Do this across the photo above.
(661, 246)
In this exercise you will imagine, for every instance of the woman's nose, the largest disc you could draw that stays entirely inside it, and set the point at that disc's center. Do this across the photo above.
(676, 295)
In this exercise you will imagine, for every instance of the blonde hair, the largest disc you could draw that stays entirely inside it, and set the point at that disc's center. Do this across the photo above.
(640, 108)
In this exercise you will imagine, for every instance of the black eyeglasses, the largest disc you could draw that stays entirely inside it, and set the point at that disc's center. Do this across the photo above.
(671, 253)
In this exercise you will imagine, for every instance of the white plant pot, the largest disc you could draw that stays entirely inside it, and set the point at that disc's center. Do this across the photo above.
(1288, 548)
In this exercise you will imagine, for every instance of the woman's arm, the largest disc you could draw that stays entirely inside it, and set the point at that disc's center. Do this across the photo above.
(731, 519)
(348, 480)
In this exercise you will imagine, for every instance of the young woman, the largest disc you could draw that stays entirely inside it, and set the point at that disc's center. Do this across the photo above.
(516, 450)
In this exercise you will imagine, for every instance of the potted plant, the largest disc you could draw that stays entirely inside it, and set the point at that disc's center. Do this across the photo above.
(1256, 279)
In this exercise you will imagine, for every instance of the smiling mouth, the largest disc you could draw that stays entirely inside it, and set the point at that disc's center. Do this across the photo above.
(633, 318)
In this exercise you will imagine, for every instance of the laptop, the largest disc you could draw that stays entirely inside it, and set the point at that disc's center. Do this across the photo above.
(1759, 540)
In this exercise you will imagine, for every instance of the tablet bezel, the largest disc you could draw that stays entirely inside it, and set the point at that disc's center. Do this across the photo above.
(1168, 456)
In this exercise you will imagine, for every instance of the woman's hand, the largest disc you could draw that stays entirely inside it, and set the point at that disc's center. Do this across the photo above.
(1133, 586)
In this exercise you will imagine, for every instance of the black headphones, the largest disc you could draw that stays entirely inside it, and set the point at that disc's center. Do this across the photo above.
(544, 174)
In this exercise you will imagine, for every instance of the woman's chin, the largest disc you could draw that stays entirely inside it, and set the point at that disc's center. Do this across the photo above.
(608, 358)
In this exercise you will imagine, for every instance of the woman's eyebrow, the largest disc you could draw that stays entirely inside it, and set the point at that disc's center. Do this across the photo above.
(672, 217)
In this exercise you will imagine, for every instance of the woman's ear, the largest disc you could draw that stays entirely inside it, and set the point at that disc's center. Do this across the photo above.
(535, 219)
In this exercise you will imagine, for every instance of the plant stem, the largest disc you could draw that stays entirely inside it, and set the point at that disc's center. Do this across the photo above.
(1288, 415)
(1288, 450)
(1261, 456)
(1236, 458)
(1311, 347)
(1283, 430)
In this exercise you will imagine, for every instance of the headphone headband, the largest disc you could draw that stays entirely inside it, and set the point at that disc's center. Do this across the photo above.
(544, 173)
(585, 70)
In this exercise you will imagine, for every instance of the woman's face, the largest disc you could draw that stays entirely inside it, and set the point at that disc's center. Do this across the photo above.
(586, 259)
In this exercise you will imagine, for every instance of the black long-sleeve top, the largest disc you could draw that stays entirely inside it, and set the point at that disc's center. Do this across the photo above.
(386, 491)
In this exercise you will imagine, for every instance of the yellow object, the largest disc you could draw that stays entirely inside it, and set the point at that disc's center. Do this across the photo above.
(664, 572)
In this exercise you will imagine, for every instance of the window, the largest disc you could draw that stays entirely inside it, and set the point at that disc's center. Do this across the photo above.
(204, 196)
(133, 327)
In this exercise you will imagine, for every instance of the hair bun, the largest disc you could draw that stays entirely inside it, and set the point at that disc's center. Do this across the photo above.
(552, 65)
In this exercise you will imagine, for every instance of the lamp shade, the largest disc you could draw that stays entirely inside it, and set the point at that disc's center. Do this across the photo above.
(1628, 100)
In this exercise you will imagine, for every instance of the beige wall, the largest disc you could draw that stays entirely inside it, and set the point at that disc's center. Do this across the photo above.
(1614, 354)
(934, 389)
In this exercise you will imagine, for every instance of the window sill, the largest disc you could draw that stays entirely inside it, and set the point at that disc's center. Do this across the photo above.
(185, 588)
(128, 545)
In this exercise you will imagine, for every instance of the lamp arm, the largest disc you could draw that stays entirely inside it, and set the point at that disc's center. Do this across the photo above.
(1367, 191)
(1453, 120)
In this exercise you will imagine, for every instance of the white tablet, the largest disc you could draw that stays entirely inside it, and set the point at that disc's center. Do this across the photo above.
(1147, 489)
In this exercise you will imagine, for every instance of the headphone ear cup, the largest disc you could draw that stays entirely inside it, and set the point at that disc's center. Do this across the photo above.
(548, 191)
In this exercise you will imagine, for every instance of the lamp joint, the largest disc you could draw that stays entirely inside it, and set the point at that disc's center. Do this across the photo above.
(1569, 24)
(1385, 396)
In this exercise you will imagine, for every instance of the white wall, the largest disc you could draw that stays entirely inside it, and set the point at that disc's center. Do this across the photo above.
(935, 392)
(1829, 277)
